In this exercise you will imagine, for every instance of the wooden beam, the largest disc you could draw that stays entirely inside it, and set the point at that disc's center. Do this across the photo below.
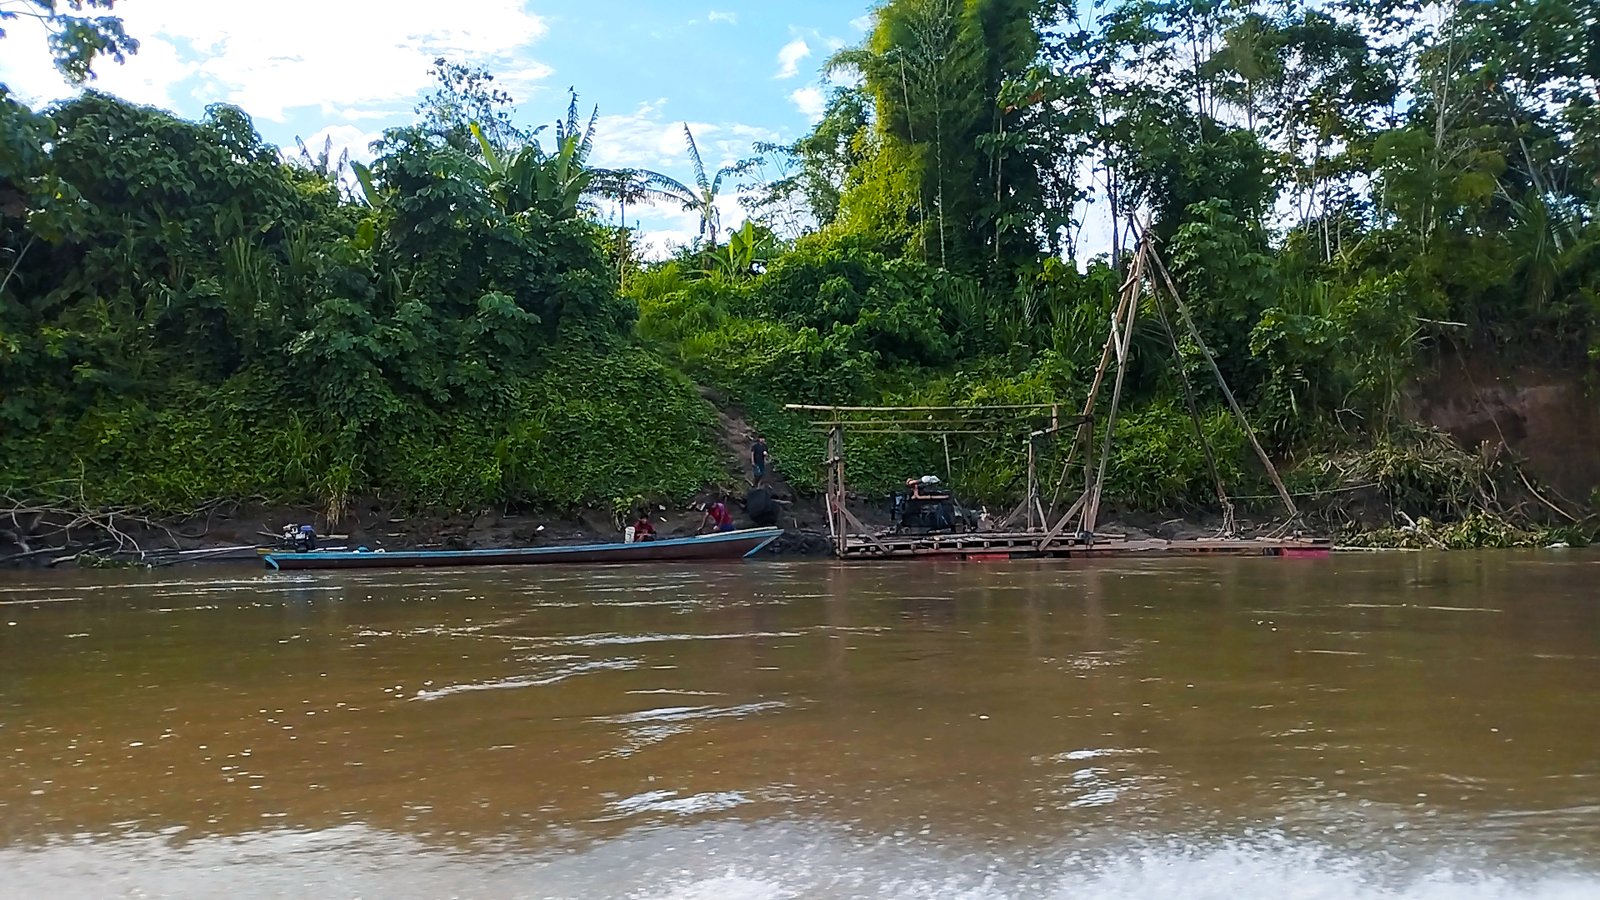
(862, 530)
(1091, 510)
(1074, 422)
(1061, 525)
(914, 423)
(1004, 407)
(932, 431)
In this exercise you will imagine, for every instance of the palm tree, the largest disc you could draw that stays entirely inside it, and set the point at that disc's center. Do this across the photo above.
(324, 163)
(625, 186)
(567, 130)
(702, 198)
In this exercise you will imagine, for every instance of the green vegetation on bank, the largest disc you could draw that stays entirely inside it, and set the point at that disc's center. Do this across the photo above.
(188, 315)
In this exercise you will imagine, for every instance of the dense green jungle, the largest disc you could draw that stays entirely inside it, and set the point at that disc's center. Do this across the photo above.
(1351, 197)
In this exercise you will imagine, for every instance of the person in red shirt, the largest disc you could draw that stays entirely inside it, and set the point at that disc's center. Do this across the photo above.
(644, 529)
(717, 517)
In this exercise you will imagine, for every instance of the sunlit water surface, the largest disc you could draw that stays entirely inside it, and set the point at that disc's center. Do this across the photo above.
(1409, 726)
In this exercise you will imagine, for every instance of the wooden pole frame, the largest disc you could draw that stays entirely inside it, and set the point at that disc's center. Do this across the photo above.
(1004, 407)
(844, 526)
(1118, 345)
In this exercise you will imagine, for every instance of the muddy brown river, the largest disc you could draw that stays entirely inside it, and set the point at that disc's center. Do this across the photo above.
(1414, 726)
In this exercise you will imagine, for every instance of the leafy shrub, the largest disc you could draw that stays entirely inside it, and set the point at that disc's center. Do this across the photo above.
(1158, 462)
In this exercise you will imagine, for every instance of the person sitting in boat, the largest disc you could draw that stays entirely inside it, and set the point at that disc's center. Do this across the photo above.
(717, 518)
(644, 529)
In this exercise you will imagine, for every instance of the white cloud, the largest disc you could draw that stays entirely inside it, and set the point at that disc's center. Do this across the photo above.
(29, 73)
(728, 17)
(523, 81)
(343, 139)
(648, 139)
(356, 115)
(644, 138)
(289, 54)
(790, 56)
(863, 23)
(151, 82)
(811, 102)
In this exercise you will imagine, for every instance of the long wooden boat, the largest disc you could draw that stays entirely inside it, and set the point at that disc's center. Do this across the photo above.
(724, 546)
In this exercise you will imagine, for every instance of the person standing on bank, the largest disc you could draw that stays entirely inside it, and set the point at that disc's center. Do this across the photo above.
(758, 458)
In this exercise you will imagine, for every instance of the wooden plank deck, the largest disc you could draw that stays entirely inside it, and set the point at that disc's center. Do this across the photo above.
(1024, 545)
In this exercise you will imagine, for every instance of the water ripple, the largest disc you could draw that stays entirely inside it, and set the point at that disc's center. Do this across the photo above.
(526, 681)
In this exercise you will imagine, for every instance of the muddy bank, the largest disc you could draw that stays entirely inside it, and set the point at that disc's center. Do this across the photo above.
(376, 526)
(68, 538)
(1547, 416)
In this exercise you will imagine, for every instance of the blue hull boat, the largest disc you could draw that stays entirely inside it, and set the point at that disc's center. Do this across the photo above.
(723, 546)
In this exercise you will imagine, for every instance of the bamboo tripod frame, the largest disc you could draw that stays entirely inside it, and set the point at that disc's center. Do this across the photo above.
(1147, 268)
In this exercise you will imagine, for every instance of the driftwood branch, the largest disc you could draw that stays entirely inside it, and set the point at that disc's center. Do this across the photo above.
(60, 521)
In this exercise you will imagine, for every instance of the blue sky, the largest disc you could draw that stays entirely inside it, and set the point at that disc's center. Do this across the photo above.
(738, 72)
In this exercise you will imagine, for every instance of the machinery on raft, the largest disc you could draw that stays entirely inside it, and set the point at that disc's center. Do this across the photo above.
(928, 506)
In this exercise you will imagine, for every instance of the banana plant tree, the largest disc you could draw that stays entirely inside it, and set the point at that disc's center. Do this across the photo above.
(556, 183)
(746, 250)
(701, 198)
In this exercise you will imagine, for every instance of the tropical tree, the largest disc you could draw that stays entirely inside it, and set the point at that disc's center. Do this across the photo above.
(323, 162)
(747, 252)
(557, 182)
(464, 94)
(814, 171)
(943, 77)
(76, 41)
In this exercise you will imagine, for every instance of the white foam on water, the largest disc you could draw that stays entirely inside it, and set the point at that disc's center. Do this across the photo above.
(692, 713)
(723, 887)
(759, 861)
(1228, 871)
(670, 802)
(599, 640)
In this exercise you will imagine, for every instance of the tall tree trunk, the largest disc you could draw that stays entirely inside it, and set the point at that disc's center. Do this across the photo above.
(938, 145)
(622, 251)
(1114, 198)
(999, 184)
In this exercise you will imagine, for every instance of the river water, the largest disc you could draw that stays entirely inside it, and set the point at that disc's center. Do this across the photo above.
(1367, 726)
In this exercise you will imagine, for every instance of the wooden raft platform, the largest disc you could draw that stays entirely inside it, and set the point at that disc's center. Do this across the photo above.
(993, 546)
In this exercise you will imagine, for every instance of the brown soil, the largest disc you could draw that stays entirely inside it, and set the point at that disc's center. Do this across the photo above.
(1549, 418)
